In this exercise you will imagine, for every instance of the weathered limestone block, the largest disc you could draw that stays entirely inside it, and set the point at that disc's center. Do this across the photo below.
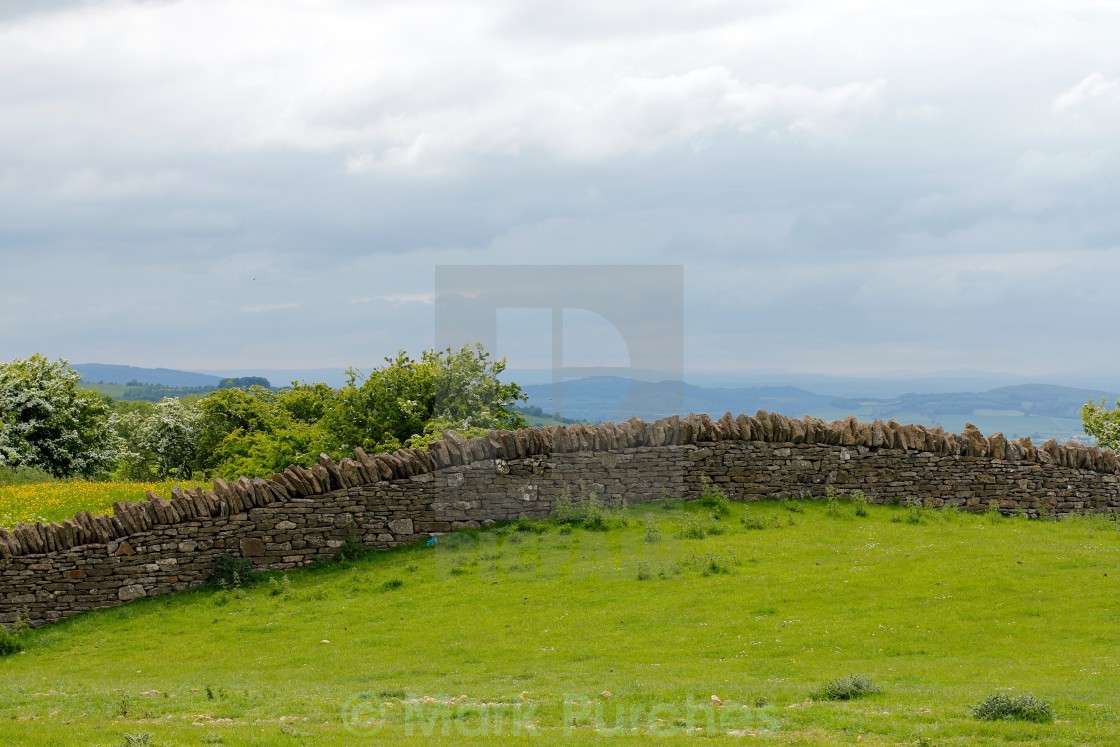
(401, 526)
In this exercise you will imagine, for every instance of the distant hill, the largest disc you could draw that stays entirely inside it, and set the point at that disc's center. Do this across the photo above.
(604, 398)
(1041, 411)
(94, 373)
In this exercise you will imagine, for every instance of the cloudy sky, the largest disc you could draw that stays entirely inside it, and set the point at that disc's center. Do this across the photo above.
(850, 186)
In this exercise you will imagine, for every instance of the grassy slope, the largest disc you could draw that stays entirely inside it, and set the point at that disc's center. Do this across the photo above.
(940, 614)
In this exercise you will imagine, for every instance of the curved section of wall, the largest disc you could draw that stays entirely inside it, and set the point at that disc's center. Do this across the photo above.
(157, 546)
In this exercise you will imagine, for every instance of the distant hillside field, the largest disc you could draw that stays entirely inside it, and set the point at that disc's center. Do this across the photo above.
(94, 373)
(596, 633)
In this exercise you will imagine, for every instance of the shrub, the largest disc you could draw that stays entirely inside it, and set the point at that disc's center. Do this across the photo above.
(233, 571)
(1001, 707)
(713, 498)
(644, 571)
(847, 688)
(653, 532)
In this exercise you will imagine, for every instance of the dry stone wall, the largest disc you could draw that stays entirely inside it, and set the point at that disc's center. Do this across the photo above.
(48, 572)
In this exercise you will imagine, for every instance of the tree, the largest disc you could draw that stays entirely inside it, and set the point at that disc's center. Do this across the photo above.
(161, 442)
(410, 402)
(47, 422)
(1104, 424)
(256, 431)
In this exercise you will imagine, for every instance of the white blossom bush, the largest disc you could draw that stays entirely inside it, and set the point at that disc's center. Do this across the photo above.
(47, 422)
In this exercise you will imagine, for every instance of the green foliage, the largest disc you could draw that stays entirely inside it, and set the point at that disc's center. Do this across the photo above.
(792, 505)
(48, 423)
(280, 587)
(714, 499)
(712, 563)
(351, 548)
(23, 476)
(1104, 424)
(161, 442)
(653, 532)
(1000, 707)
(846, 688)
(859, 503)
(832, 501)
(768, 520)
(232, 571)
(412, 403)
(693, 527)
(588, 512)
(645, 572)
(245, 427)
(915, 513)
(11, 639)
(575, 610)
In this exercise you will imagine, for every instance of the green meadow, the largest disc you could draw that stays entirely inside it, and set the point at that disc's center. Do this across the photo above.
(615, 627)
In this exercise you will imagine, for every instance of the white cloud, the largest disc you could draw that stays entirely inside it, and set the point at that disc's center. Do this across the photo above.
(264, 308)
(1093, 90)
(384, 84)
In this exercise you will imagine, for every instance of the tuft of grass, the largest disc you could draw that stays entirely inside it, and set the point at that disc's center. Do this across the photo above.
(792, 505)
(712, 563)
(392, 584)
(832, 502)
(859, 503)
(852, 687)
(24, 476)
(351, 548)
(589, 512)
(914, 514)
(653, 532)
(280, 586)
(693, 527)
(1000, 707)
(11, 640)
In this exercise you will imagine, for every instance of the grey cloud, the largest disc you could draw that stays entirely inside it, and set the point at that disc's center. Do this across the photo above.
(952, 214)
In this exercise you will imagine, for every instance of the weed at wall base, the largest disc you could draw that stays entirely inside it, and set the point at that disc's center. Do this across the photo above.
(231, 571)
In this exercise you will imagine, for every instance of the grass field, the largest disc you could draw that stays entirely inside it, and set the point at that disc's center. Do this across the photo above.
(536, 633)
(55, 501)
